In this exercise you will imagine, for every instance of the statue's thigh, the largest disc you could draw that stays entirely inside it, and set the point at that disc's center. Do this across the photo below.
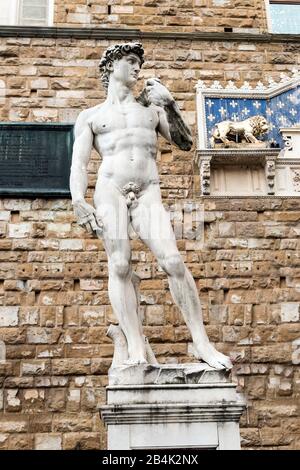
(117, 249)
(112, 210)
(152, 223)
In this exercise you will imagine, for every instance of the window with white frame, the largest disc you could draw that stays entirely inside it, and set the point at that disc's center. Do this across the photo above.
(26, 12)
(283, 16)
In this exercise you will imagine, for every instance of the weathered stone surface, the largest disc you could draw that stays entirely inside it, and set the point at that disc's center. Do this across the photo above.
(81, 441)
(9, 316)
(13, 424)
(48, 442)
(290, 312)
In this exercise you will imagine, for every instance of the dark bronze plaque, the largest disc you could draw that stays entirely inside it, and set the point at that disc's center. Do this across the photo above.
(35, 159)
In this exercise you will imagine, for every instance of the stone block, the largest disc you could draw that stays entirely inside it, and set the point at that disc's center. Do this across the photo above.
(48, 441)
(3, 441)
(28, 70)
(36, 335)
(73, 399)
(155, 315)
(79, 18)
(5, 215)
(256, 387)
(9, 316)
(44, 115)
(21, 442)
(39, 83)
(29, 315)
(22, 230)
(71, 244)
(81, 441)
(71, 422)
(272, 353)
(71, 366)
(59, 230)
(274, 437)
(56, 400)
(91, 284)
(13, 424)
(92, 316)
(122, 9)
(37, 367)
(250, 437)
(17, 204)
(290, 311)
(12, 401)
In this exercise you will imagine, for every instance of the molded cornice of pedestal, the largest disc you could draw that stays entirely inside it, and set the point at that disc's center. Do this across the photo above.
(175, 413)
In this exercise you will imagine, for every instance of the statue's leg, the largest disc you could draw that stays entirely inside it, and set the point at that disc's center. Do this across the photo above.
(250, 138)
(150, 356)
(161, 241)
(112, 210)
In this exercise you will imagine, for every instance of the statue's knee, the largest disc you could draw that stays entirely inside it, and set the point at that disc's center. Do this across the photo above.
(119, 265)
(173, 265)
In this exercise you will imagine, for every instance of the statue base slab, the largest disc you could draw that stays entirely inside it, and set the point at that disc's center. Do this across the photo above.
(162, 374)
(186, 406)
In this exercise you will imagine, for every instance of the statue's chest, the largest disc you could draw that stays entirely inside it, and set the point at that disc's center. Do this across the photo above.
(124, 118)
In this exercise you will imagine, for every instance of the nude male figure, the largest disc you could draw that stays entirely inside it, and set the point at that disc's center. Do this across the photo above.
(124, 131)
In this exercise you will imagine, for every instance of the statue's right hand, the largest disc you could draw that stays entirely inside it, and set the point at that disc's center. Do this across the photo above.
(86, 217)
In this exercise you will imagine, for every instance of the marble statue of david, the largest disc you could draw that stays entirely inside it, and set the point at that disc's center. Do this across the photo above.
(124, 131)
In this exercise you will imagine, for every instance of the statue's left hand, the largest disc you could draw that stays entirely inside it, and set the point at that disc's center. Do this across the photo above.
(157, 93)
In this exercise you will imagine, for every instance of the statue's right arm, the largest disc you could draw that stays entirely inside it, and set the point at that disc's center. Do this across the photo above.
(80, 158)
(85, 213)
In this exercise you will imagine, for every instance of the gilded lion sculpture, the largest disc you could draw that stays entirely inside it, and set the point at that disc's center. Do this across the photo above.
(246, 130)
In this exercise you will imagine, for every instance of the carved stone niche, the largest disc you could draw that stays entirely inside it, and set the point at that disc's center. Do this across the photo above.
(237, 172)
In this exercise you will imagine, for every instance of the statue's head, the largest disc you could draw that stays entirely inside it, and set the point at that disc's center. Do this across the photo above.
(123, 61)
(259, 124)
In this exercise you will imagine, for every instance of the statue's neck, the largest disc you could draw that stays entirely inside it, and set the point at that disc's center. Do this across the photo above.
(118, 93)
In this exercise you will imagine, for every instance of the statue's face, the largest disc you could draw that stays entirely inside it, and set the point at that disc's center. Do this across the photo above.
(264, 126)
(126, 69)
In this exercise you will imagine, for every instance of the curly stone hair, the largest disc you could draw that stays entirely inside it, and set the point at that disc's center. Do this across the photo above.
(257, 122)
(116, 52)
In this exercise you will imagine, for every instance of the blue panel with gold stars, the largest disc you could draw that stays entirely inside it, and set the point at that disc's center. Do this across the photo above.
(280, 111)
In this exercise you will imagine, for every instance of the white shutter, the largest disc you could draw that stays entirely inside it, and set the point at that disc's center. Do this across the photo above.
(33, 12)
(8, 12)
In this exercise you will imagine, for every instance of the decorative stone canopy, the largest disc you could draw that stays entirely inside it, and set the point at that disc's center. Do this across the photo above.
(209, 159)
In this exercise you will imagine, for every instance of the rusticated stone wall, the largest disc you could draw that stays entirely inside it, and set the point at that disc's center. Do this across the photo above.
(55, 310)
(163, 15)
(53, 79)
(54, 306)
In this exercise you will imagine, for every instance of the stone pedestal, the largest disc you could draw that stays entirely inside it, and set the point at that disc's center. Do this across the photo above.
(175, 407)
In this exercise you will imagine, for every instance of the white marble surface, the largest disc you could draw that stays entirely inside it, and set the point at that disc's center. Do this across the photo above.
(124, 131)
(201, 411)
(162, 374)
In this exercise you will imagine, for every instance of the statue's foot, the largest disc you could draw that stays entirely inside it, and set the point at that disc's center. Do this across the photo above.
(135, 361)
(212, 357)
(136, 356)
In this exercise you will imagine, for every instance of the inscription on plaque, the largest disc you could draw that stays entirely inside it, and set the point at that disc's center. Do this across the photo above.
(35, 159)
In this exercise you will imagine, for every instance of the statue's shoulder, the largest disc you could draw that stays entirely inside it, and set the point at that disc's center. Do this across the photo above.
(86, 116)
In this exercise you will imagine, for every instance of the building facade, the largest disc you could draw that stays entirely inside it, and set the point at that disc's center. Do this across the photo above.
(54, 306)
